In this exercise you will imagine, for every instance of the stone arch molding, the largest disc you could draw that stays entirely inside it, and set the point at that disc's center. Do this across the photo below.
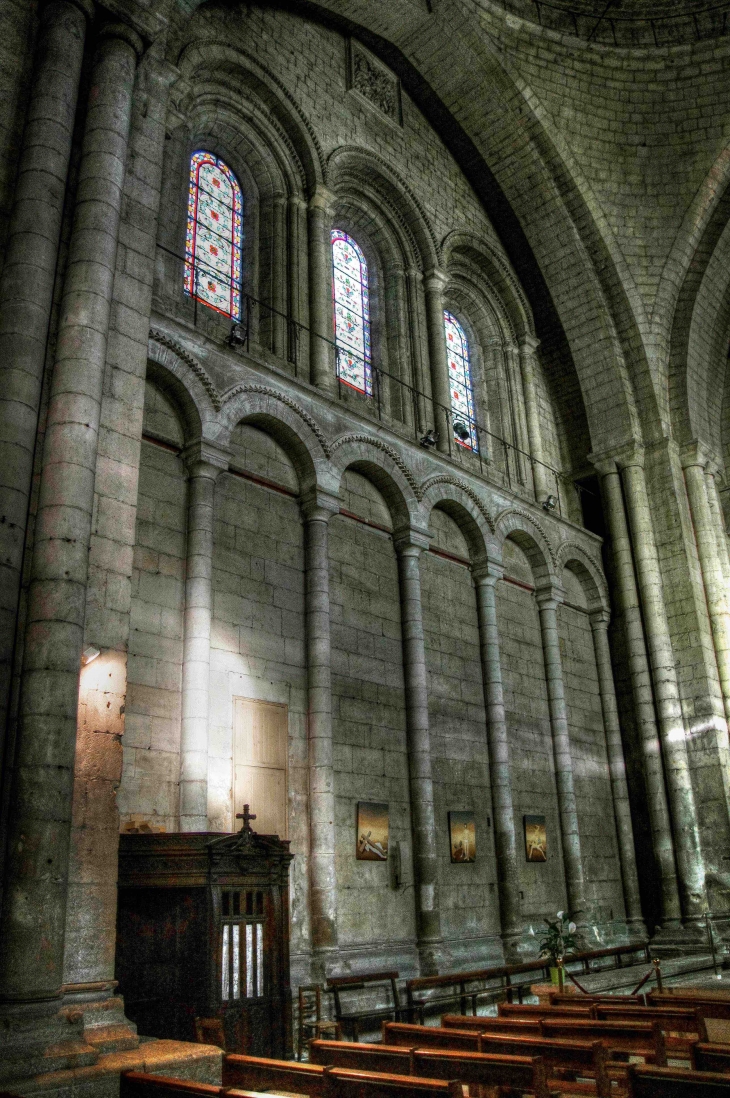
(589, 573)
(514, 521)
(365, 451)
(469, 512)
(498, 276)
(193, 380)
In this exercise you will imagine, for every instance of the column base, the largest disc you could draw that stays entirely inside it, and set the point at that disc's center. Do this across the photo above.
(433, 957)
(676, 939)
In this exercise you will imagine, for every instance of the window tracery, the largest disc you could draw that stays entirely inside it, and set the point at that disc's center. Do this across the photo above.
(351, 305)
(460, 383)
(214, 239)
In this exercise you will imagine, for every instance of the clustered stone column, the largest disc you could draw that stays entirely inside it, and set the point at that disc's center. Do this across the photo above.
(694, 463)
(599, 620)
(321, 352)
(434, 285)
(317, 512)
(204, 464)
(33, 918)
(26, 289)
(548, 598)
(688, 850)
(505, 840)
(528, 347)
(408, 547)
(627, 596)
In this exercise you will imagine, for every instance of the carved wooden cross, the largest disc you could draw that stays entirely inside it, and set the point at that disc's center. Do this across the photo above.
(246, 816)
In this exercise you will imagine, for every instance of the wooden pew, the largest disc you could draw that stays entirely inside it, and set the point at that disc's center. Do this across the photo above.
(709, 1004)
(658, 1082)
(673, 1020)
(413, 1036)
(140, 1084)
(707, 1057)
(259, 1074)
(535, 1010)
(565, 1059)
(558, 999)
(510, 1066)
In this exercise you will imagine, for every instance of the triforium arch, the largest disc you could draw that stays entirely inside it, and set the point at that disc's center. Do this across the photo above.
(588, 572)
(384, 467)
(534, 542)
(191, 387)
(468, 512)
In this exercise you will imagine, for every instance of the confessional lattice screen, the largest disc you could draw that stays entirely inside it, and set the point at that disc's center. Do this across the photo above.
(260, 745)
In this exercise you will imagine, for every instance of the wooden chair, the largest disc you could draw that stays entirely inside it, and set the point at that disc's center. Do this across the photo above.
(657, 1082)
(351, 1020)
(311, 1024)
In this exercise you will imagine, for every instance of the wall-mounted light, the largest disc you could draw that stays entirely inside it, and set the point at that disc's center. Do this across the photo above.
(461, 430)
(430, 439)
(550, 503)
(236, 337)
(89, 654)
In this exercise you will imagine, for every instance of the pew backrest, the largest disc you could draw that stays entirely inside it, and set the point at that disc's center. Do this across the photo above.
(521, 1073)
(533, 1010)
(260, 1074)
(412, 1036)
(141, 1084)
(656, 1082)
(345, 1083)
(676, 1020)
(709, 1006)
(361, 1057)
(707, 1057)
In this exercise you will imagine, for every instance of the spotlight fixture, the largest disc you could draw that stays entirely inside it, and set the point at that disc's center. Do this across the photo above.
(89, 654)
(550, 503)
(461, 430)
(430, 439)
(236, 336)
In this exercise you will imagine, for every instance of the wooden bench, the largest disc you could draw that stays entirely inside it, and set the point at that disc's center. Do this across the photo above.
(317, 1081)
(535, 1010)
(257, 1073)
(350, 1021)
(707, 1057)
(563, 999)
(140, 1084)
(412, 1036)
(658, 1082)
(710, 1004)
(674, 1021)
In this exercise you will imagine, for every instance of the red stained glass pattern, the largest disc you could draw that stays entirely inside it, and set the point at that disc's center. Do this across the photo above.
(462, 395)
(351, 304)
(214, 235)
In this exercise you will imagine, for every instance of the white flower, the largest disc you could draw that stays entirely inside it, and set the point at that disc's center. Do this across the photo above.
(560, 914)
(571, 928)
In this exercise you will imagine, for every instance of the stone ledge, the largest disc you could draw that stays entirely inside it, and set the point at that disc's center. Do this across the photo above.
(181, 1059)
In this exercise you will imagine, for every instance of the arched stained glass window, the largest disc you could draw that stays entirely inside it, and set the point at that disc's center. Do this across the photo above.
(351, 305)
(462, 395)
(215, 235)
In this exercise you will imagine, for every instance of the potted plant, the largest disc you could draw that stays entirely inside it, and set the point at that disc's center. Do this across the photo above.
(557, 943)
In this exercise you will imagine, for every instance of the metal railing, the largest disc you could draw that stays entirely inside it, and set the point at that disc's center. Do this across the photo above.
(394, 402)
(623, 28)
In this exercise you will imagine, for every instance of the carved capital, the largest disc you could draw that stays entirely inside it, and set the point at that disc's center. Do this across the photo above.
(411, 540)
(204, 458)
(319, 506)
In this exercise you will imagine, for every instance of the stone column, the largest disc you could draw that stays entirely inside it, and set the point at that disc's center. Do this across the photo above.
(204, 464)
(33, 918)
(694, 463)
(400, 357)
(599, 620)
(505, 839)
(434, 285)
(26, 289)
(409, 546)
(317, 512)
(688, 850)
(414, 282)
(517, 412)
(278, 276)
(548, 599)
(718, 519)
(528, 347)
(321, 331)
(298, 286)
(627, 597)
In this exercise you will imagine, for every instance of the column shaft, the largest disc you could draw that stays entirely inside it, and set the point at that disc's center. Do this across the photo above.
(434, 285)
(617, 769)
(26, 291)
(323, 895)
(714, 581)
(278, 276)
(567, 806)
(321, 352)
(298, 287)
(196, 648)
(505, 839)
(517, 413)
(400, 358)
(33, 918)
(666, 692)
(628, 601)
(532, 413)
(425, 860)
(414, 280)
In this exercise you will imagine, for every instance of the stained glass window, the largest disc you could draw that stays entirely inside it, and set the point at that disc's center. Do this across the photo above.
(462, 396)
(215, 235)
(350, 301)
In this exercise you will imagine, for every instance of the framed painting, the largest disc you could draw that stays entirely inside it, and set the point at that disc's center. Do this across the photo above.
(372, 831)
(462, 836)
(535, 839)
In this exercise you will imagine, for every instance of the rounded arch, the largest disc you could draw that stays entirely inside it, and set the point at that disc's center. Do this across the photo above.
(469, 513)
(483, 262)
(295, 430)
(382, 465)
(588, 572)
(359, 171)
(526, 532)
(188, 385)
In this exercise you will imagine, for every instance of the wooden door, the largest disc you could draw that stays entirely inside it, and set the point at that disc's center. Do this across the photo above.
(260, 749)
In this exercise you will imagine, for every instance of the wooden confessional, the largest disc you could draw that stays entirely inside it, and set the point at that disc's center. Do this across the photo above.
(203, 931)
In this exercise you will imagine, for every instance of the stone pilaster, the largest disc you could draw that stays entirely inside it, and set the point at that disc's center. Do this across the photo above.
(33, 918)
(408, 546)
(548, 598)
(317, 512)
(505, 839)
(26, 290)
(321, 352)
(434, 285)
(204, 463)
(617, 766)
